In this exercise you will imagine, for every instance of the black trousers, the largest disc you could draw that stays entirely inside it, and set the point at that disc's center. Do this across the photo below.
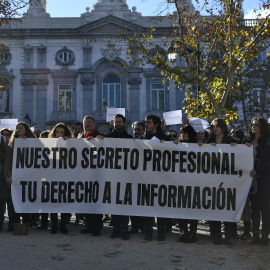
(94, 222)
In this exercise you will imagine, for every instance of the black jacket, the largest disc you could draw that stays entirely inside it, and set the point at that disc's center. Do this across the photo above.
(160, 135)
(119, 134)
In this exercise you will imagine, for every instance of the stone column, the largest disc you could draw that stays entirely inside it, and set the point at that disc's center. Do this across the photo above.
(88, 82)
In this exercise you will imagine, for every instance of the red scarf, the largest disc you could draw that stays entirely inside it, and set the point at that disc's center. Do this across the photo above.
(86, 135)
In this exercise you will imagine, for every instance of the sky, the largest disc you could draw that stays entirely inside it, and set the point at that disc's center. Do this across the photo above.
(74, 8)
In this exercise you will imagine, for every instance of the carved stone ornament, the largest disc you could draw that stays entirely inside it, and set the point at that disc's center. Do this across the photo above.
(135, 80)
(64, 115)
(28, 51)
(111, 53)
(25, 82)
(87, 81)
(42, 51)
(43, 81)
(64, 57)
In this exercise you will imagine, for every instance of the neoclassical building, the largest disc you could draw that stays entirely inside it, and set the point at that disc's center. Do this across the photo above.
(60, 69)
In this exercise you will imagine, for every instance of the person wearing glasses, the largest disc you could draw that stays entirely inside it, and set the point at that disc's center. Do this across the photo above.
(5, 191)
(138, 129)
(172, 134)
(258, 135)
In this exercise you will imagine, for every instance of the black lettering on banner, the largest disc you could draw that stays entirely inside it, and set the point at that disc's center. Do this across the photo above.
(29, 160)
(156, 160)
(20, 158)
(45, 154)
(95, 194)
(145, 194)
(63, 155)
(184, 197)
(93, 156)
(118, 188)
(54, 191)
(117, 158)
(206, 160)
(221, 195)
(72, 158)
(37, 158)
(182, 161)
(214, 198)
(192, 165)
(45, 191)
(199, 162)
(88, 192)
(153, 194)
(147, 156)
(225, 167)
(231, 199)
(172, 193)
(126, 151)
(100, 161)
(206, 204)
(54, 150)
(196, 203)
(134, 159)
(62, 192)
(139, 194)
(233, 172)
(128, 194)
(162, 195)
(166, 161)
(215, 168)
(107, 194)
(78, 194)
(23, 184)
(109, 158)
(175, 159)
(32, 191)
(85, 161)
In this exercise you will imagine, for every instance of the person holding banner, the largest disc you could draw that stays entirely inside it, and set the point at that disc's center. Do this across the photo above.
(258, 135)
(220, 135)
(119, 222)
(153, 129)
(189, 135)
(94, 223)
(22, 131)
(60, 130)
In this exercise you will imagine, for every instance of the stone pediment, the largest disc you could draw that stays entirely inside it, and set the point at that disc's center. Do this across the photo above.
(110, 25)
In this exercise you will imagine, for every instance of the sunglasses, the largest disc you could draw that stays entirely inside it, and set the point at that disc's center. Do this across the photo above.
(174, 136)
(8, 135)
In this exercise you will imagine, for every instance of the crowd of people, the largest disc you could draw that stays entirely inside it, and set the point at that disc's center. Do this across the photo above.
(257, 207)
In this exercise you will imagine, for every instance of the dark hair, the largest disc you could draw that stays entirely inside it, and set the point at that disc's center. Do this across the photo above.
(89, 117)
(138, 123)
(28, 133)
(264, 128)
(192, 134)
(68, 133)
(239, 135)
(222, 124)
(78, 124)
(45, 134)
(155, 119)
(120, 115)
(6, 129)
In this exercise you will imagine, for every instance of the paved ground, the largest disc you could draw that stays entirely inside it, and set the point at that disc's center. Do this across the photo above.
(42, 250)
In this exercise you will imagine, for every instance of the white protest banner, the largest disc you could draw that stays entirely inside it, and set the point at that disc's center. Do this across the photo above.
(111, 112)
(173, 117)
(9, 123)
(198, 124)
(131, 177)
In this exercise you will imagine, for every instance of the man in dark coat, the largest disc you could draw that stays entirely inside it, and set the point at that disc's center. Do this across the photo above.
(153, 129)
(119, 222)
(93, 221)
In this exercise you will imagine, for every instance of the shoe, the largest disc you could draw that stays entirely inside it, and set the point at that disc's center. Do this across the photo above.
(133, 231)
(192, 238)
(42, 227)
(17, 229)
(148, 237)
(63, 228)
(245, 236)
(255, 240)
(54, 230)
(161, 237)
(96, 234)
(183, 237)
(87, 230)
(125, 236)
(24, 229)
(10, 227)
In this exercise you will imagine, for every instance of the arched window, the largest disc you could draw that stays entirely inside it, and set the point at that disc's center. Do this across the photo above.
(111, 92)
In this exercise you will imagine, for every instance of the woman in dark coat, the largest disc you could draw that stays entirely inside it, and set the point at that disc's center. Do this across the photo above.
(258, 135)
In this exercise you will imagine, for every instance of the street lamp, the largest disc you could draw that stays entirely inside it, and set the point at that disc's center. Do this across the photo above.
(27, 119)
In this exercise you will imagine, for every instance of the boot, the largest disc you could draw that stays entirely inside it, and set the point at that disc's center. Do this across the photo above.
(228, 239)
(255, 238)
(17, 228)
(184, 236)
(218, 238)
(265, 239)
(192, 238)
(24, 229)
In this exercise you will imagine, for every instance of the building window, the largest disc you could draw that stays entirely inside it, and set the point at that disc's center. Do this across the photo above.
(157, 96)
(64, 97)
(111, 92)
(257, 95)
(65, 57)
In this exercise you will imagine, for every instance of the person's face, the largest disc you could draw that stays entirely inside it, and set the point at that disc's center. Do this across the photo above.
(138, 131)
(6, 136)
(150, 127)
(255, 127)
(119, 123)
(60, 132)
(200, 136)
(77, 129)
(20, 130)
(217, 130)
(36, 129)
(89, 125)
(184, 136)
(172, 135)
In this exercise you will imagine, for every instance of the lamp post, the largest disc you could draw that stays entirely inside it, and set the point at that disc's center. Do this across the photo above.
(27, 119)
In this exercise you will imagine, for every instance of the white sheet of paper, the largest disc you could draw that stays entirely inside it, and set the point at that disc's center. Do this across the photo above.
(9, 123)
(111, 112)
(268, 120)
(155, 139)
(173, 117)
(32, 128)
(198, 124)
